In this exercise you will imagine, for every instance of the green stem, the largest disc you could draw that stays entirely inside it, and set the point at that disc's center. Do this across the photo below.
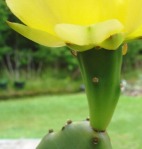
(100, 70)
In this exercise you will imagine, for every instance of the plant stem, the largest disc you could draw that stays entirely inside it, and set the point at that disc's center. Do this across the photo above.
(100, 70)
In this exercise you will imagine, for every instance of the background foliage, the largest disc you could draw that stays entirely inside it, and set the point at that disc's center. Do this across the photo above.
(21, 59)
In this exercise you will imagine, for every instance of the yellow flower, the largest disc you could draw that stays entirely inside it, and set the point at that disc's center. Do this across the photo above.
(80, 24)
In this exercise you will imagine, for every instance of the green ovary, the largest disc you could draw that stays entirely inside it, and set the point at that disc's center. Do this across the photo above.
(101, 74)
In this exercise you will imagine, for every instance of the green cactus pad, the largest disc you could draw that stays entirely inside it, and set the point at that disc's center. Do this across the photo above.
(76, 135)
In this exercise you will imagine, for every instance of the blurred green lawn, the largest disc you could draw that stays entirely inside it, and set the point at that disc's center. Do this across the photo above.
(32, 117)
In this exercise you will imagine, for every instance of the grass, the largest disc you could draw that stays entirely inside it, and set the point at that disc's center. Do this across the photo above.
(32, 117)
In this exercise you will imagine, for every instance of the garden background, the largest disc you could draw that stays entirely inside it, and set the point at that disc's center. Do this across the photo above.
(41, 87)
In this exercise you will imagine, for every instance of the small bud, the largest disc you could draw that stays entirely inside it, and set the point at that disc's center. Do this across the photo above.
(124, 49)
(51, 130)
(69, 122)
(87, 119)
(74, 53)
(97, 47)
(63, 128)
(95, 80)
(95, 140)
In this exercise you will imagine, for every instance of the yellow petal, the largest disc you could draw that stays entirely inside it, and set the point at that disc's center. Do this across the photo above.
(113, 42)
(85, 12)
(73, 33)
(136, 34)
(102, 31)
(131, 14)
(88, 35)
(46, 13)
(38, 36)
(80, 48)
(34, 13)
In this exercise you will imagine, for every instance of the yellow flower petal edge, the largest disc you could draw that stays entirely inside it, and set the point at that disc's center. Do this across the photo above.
(47, 13)
(103, 30)
(136, 34)
(37, 36)
(74, 34)
(113, 42)
(33, 13)
(82, 23)
(91, 35)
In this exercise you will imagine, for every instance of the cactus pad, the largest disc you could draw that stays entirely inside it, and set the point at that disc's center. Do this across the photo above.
(76, 135)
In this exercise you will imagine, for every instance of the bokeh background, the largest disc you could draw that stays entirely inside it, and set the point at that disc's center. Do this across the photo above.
(41, 87)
